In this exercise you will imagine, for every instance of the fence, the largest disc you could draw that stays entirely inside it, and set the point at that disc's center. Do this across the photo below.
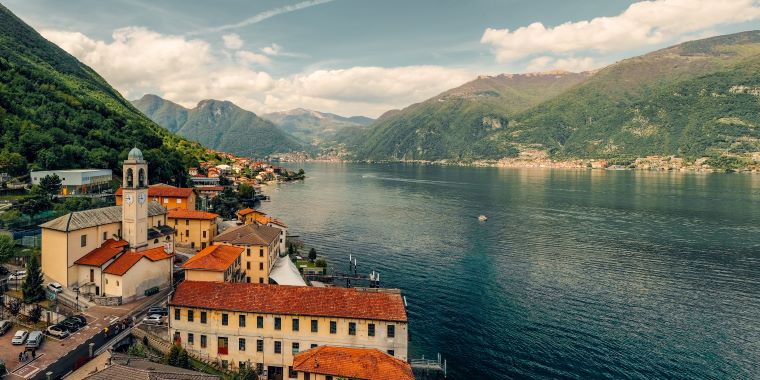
(49, 316)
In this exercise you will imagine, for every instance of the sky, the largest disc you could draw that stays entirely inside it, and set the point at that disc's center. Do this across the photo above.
(358, 57)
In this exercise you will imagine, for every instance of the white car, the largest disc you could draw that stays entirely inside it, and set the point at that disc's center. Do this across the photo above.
(153, 319)
(20, 337)
(58, 331)
(55, 287)
(18, 275)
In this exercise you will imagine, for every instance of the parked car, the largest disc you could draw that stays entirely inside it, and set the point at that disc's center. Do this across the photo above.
(70, 325)
(18, 275)
(58, 331)
(162, 311)
(55, 287)
(20, 337)
(4, 271)
(154, 319)
(35, 340)
(5, 325)
(82, 320)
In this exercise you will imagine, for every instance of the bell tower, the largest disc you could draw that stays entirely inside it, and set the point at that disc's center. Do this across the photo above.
(134, 209)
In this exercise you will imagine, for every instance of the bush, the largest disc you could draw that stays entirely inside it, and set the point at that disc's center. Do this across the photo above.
(321, 263)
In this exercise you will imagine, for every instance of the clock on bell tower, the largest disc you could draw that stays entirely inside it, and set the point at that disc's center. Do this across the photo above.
(134, 212)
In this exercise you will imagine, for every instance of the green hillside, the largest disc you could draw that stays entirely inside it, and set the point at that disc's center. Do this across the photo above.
(55, 112)
(454, 124)
(220, 125)
(314, 127)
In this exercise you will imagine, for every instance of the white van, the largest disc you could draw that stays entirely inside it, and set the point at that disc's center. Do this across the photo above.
(35, 340)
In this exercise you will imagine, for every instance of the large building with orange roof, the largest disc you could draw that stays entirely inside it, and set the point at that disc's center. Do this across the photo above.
(267, 326)
(329, 362)
(215, 263)
(193, 229)
(113, 254)
(170, 197)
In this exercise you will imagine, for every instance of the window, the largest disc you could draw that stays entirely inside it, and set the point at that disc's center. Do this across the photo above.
(260, 322)
(248, 265)
(241, 320)
(391, 331)
(248, 251)
(176, 314)
(277, 347)
(190, 316)
(203, 317)
(203, 341)
(105, 235)
(351, 328)
(222, 345)
(333, 327)
(291, 373)
(259, 367)
(277, 323)
(190, 338)
(241, 365)
(296, 347)
(166, 200)
(295, 324)
(371, 329)
(314, 325)
(259, 345)
(187, 222)
(261, 280)
(204, 234)
(248, 279)
(225, 319)
(179, 200)
(83, 240)
(391, 352)
(155, 241)
(313, 345)
(187, 233)
(261, 252)
(241, 344)
(261, 266)
(225, 364)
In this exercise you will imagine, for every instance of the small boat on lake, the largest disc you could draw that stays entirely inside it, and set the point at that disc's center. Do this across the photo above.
(482, 218)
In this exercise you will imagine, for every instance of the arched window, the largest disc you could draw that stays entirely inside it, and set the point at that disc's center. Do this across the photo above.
(141, 178)
(130, 178)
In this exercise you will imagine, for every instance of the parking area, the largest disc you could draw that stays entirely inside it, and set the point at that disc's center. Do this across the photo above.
(52, 349)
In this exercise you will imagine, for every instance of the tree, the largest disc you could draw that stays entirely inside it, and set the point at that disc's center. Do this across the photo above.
(246, 373)
(291, 249)
(50, 185)
(172, 356)
(322, 263)
(35, 314)
(137, 349)
(7, 247)
(37, 202)
(32, 289)
(14, 307)
(183, 359)
(312, 255)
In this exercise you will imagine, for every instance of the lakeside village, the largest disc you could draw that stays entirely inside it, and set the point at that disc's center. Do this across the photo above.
(169, 282)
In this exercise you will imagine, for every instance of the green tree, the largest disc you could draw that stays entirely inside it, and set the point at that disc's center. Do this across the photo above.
(321, 263)
(35, 314)
(37, 202)
(14, 307)
(137, 349)
(312, 255)
(7, 248)
(183, 359)
(172, 357)
(13, 163)
(51, 185)
(246, 373)
(226, 204)
(32, 289)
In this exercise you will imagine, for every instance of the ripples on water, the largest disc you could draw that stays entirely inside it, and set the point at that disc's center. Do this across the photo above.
(576, 274)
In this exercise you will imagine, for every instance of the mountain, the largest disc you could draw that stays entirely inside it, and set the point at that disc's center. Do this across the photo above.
(315, 127)
(55, 113)
(219, 125)
(454, 124)
(695, 99)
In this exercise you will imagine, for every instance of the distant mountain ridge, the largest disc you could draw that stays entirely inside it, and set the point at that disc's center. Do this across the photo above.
(315, 127)
(219, 125)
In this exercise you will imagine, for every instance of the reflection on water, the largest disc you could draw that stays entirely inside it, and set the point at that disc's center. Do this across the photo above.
(576, 273)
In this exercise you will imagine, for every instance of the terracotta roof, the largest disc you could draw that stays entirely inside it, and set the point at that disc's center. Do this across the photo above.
(246, 211)
(191, 214)
(277, 222)
(371, 304)
(107, 251)
(209, 188)
(147, 371)
(129, 259)
(249, 234)
(165, 191)
(214, 258)
(95, 217)
(354, 363)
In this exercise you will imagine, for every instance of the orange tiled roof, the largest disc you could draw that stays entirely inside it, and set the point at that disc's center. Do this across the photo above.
(165, 191)
(129, 259)
(277, 222)
(246, 211)
(209, 188)
(214, 258)
(107, 251)
(354, 363)
(291, 300)
(191, 214)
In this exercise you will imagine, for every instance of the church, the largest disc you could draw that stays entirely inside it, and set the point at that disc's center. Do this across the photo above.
(113, 254)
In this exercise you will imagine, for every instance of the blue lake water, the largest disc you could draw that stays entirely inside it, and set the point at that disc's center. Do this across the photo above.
(576, 273)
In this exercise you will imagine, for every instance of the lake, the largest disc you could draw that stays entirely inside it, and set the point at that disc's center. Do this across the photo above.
(576, 274)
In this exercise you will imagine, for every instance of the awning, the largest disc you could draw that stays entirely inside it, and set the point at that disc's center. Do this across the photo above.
(285, 272)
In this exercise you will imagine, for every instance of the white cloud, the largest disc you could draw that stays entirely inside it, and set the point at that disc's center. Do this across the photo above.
(259, 17)
(139, 61)
(273, 49)
(572, 64)
(232, 41)
(642, 24)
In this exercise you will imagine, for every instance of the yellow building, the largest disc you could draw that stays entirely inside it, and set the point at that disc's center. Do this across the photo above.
(267, 325)
(170, 197)
(196, 229)
(117, 251)
(215, 263)
(261, 245)
(251, 216)
(328, 363)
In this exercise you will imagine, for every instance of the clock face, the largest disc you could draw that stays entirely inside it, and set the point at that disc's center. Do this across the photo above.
(141, 198)
(128, 198)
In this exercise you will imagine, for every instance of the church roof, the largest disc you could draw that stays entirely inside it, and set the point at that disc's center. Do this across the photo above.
(126, 261)
(101, 255)
(135, 155)
(78, 220)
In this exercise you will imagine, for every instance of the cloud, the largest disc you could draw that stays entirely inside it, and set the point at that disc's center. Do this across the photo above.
(572, 64)
(642, 24)
(273, 49)
(185, 70)
(232, 41)
(259, 17)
